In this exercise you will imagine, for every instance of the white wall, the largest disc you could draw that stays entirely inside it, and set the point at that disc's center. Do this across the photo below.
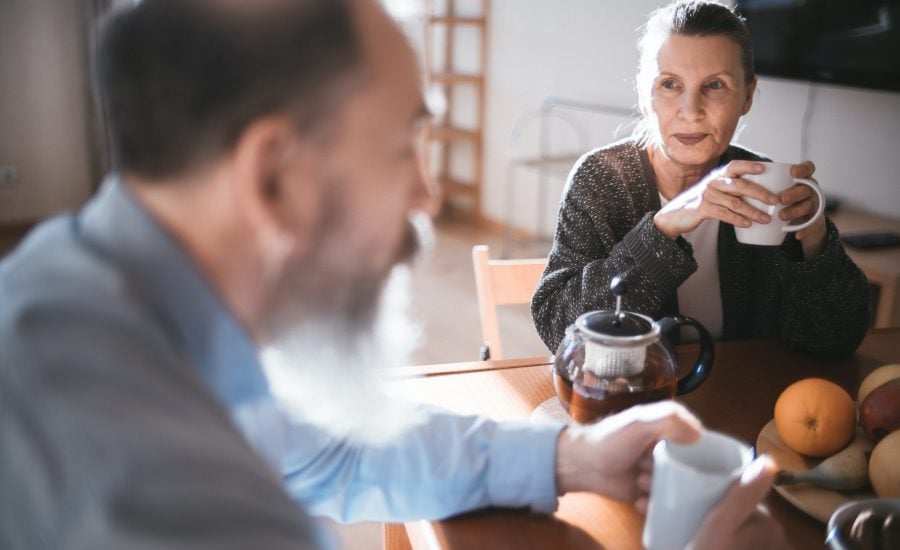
(584, 50)
(43, 100)
(853, 136)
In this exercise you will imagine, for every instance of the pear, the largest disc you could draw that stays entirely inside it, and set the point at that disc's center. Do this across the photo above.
(845, 471)
(884, 468)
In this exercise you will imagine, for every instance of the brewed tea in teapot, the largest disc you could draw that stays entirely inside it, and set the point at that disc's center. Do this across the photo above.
(611, 360)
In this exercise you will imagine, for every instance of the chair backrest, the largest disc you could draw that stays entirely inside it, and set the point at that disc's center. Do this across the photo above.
(501, 282)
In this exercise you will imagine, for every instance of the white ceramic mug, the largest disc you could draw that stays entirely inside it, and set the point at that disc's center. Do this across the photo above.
(777, 179)
(688, 480)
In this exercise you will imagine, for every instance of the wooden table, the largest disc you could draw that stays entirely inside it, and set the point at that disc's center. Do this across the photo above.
(738, 398)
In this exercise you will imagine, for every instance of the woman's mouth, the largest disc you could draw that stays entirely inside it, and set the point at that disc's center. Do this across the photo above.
(690, 139)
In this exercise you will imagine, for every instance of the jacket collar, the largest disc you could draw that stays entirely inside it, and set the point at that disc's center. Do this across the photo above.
(170, 284)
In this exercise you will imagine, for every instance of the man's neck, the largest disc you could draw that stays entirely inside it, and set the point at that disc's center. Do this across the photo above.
(199, 213)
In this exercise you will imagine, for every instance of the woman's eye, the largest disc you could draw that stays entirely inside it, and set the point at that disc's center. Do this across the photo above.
(715, 85)
(669, 84)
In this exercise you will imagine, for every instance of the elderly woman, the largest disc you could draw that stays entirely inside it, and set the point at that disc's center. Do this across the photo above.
(661, 208)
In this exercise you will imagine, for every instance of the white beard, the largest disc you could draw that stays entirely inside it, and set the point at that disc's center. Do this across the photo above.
(329, 372)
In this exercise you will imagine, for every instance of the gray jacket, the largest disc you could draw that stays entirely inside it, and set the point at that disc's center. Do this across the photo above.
(605, 228)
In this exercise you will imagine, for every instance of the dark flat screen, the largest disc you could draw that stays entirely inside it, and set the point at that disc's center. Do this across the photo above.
(852, 42)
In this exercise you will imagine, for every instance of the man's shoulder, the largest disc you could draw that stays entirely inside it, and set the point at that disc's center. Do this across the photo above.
(94, 396)
(54, 253)
(54, 268)
(61, 298)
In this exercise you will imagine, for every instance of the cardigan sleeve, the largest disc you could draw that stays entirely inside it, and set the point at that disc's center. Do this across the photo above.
(825, 300)
(594, 242)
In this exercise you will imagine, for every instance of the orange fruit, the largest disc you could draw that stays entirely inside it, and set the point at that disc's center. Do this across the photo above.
(815, 417)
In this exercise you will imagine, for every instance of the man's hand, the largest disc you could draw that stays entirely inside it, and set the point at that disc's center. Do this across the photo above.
(613, 457)
(739, 521)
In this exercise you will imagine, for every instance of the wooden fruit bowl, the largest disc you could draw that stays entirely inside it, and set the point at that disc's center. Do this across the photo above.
(817, 502)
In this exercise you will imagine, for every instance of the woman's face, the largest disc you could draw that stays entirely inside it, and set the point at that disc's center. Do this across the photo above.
(697, 96)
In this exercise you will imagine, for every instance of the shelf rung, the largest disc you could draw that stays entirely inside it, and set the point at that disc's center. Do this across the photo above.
(450, 133)
(456, 20)
(454, 188)
(445, 78)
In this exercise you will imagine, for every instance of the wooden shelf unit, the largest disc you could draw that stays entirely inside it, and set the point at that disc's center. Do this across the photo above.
(443, 135)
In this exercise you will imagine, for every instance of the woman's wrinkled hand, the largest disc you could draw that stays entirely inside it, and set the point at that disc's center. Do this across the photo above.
(800, 202)
(718, 196)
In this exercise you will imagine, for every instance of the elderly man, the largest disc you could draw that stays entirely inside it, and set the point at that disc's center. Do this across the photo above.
(267, 166)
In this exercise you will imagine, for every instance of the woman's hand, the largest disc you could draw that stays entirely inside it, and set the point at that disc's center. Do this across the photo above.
(613, 457)
(718, 196)
(800, 202)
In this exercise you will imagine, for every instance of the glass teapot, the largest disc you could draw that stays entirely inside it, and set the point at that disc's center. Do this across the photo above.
(611, 360)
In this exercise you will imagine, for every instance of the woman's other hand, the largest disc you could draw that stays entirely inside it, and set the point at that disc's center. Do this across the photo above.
(718, 196)
(800, 202)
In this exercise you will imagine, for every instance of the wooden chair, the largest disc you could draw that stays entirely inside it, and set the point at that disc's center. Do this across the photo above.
(501, 282)
(498, 282)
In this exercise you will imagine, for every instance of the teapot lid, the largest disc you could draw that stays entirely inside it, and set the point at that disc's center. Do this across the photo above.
(618, 326)
(617, 323)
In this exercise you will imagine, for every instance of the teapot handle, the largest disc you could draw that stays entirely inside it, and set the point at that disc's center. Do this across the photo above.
(690, 381)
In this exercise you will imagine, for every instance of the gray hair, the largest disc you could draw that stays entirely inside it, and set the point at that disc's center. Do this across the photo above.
(689, 18)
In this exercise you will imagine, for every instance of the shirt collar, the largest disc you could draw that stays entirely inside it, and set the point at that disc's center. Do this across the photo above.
(174, 290)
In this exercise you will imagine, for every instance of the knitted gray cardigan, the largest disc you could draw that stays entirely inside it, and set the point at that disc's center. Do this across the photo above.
(605, 228)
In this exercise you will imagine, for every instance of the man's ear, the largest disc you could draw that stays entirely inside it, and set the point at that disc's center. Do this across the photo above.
(276, 185)
(748, 101)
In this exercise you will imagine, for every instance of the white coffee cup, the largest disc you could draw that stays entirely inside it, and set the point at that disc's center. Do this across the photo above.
(777, 178)
(688, 480)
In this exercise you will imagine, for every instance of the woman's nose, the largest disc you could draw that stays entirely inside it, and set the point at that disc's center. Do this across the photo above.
(691, 107)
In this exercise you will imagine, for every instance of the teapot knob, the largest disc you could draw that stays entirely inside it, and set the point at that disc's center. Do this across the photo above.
(618, 286)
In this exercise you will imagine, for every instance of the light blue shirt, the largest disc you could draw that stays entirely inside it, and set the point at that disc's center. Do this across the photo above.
(90, 283)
